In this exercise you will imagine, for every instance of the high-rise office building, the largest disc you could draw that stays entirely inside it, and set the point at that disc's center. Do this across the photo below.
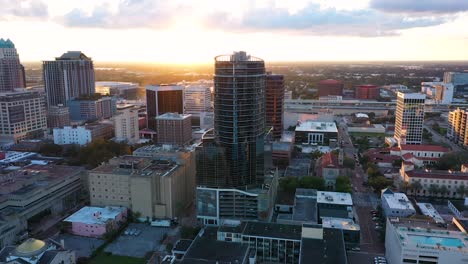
(11, 70)
(409, 118)
(174, 129)
(126, 125)
(330, 87)
(161, 99)
(23, 115)
(68, 77)
(274, 102)
(197, 98)
(88, 109)
(459, 81)
(441, 92)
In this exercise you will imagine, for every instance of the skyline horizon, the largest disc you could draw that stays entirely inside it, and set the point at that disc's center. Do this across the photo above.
(183, 32)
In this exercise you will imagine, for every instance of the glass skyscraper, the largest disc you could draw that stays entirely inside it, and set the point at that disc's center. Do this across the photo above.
(239, 124)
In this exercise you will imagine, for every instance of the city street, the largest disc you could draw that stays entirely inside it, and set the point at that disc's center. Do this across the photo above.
(436, 137)
(364, 199)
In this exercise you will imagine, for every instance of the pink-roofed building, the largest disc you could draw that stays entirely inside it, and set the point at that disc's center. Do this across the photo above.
(96, 221)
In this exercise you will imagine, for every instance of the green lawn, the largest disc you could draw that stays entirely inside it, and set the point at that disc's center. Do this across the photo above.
(114, 259)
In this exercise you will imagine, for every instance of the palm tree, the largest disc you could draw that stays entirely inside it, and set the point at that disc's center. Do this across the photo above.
(433, 189)
(462, 190)
(443, 190)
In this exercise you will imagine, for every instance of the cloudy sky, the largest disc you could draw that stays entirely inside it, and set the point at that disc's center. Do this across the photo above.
(194, 31)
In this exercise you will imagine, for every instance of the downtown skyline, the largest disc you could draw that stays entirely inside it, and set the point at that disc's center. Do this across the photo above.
(184, 32)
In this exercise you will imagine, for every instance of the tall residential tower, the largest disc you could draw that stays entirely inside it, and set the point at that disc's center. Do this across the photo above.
(231, 176)
(274, 101)
(239, 125)
(11, 70)
(409, 118)
(68, 77)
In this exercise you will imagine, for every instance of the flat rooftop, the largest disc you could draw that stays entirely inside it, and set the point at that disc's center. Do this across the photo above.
(435, 239)
(334, 198)
(428, 209)
(207, 249)
(329, 250)
(35, 176)
(136, 166)
(398, 201)
(307, 193)
(173, 116)
(95, 215)
(275, 230)
(150, 150)
(340, 223)
(13, 156)
(314, 126)
(305, 205)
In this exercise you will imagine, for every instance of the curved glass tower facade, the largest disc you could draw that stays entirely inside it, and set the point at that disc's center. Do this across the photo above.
(239, 106)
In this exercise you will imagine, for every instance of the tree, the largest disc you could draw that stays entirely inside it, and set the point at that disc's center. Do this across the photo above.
(462, 190)
(349, 163)
(416, 186)
(51, 149)
(452, 160)
(310, 182)
(343, 184)
(443, 190)
(404, 186)
(373, 170)
(316, 154)
(379, 183)
(397, 163)
(289, 184)
(433, 189)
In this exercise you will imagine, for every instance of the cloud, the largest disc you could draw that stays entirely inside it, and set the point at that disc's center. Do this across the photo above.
(315, 20)
(23, 9)
(128, 14)
(419, 6)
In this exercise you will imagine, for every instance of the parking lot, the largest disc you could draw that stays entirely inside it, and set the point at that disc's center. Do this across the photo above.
(137, 246)
(83, 246)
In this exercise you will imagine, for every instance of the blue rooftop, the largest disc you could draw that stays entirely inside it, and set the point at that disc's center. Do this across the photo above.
(6, 44)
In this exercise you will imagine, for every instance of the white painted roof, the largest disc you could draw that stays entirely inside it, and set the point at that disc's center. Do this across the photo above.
(95, 215)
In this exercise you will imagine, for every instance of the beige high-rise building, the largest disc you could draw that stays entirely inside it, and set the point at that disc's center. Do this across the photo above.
(161, 188)
(126, 125)
(23, 115)
(458, 126)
